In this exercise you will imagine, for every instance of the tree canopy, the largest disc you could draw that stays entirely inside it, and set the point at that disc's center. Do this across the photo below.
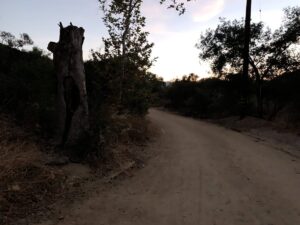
(270, 53)
(175, 4)
(127, 37)
(10, 40)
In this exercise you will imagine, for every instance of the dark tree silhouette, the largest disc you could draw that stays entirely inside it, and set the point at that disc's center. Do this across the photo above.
(73, 123)
(270, 54)
(175, 4)
(127, 43)
(10, 40)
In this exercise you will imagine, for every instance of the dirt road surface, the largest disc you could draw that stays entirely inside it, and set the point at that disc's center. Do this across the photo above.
(200, 174)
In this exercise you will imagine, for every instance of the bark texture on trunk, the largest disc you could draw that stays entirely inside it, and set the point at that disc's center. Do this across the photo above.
(73, 123)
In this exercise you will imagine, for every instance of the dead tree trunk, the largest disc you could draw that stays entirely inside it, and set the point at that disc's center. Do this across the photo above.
(73, 123)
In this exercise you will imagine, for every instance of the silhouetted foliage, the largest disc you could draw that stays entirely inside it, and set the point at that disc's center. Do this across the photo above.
(127, 45)
(10, 40)
(271, 54)
(218, 98)
(119, 77)
(27, 87)
(282, 96)
(139, 87)
(178, 5)
(211, 97)
(102, 77)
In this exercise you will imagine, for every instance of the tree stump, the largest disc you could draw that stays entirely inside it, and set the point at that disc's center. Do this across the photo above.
(73, 122)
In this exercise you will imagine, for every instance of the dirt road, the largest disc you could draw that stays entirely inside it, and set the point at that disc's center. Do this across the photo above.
(201, 174)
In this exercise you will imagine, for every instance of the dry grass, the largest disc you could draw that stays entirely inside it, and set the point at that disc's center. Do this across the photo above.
(29, 187)
(26, 184)
(125, 141)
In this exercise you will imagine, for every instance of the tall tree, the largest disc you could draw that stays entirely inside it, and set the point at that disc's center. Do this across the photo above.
(270, 54)
(127, 40)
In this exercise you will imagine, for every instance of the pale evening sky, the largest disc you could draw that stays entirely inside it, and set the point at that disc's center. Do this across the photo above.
(174, 36)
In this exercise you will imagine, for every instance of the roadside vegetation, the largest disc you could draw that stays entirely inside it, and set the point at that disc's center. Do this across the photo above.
(120, 90)
(274, 73)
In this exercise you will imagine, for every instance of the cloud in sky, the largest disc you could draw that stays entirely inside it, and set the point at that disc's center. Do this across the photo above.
(158, 16)
(175, 36)
(177, 56)
(206, 10)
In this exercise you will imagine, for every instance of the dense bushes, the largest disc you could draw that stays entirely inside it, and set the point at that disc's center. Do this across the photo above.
(216, 98)
(211, 97)
(139, 91)
(282, 96)
(27, 87)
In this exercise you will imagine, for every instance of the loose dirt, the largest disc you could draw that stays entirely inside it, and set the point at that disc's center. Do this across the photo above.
(199, 174)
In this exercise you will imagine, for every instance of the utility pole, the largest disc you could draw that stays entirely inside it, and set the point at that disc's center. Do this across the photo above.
(245, 77)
